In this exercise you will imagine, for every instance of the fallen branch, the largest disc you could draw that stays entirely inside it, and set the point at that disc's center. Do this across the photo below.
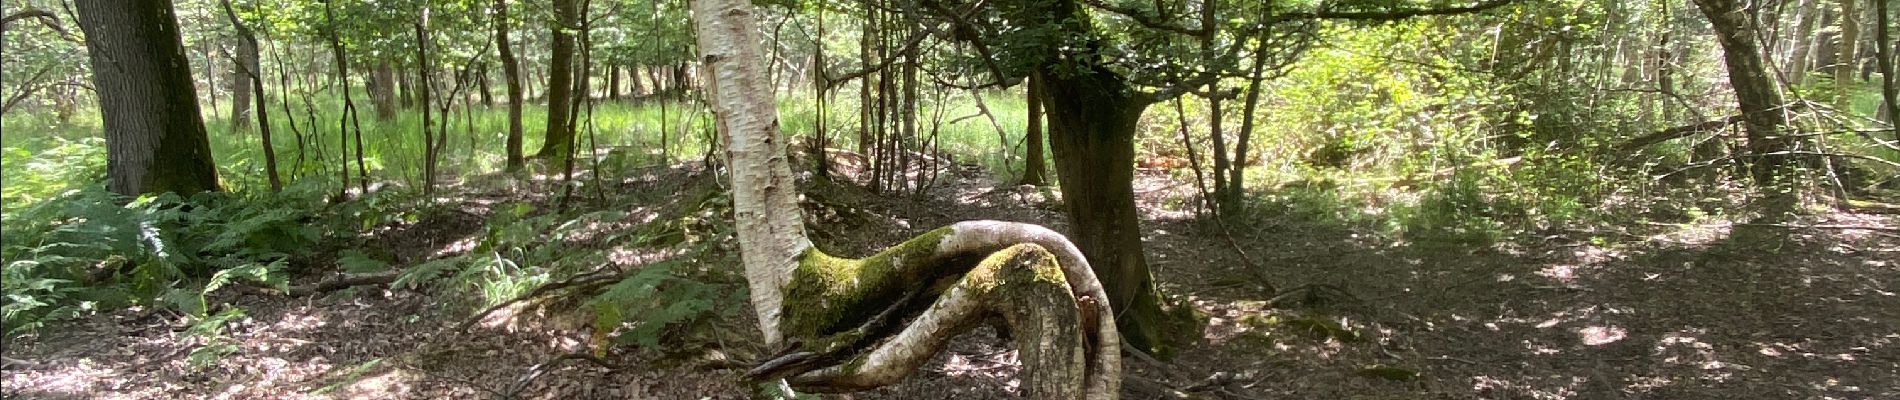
(1677, 132)
(538, 370)
(1254, 269)
(340, 282)
(582, 280)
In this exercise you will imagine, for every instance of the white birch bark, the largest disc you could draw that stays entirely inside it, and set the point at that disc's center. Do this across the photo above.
(765, 199)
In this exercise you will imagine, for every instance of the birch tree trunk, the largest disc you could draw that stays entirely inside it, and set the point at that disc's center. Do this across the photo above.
(855, 324)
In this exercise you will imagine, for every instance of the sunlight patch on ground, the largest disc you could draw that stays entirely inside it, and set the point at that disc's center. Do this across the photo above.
(458, 246)
(83, 379)
(1492, 387)
(1695, 234)
(392, 384)
(1601, 335)
(1001, 366)
(1687, 349)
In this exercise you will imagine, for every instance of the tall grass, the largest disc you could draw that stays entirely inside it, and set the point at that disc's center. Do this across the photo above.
(44, 156)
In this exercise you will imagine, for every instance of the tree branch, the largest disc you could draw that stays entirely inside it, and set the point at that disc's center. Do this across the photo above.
(1146, 20)
(1389, 15)
(1677, 132)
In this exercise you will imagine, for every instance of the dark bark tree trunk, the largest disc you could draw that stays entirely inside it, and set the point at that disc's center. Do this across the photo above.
(382, 91)
(1092, 115)
(560, 81)
(1230, 200)
(1034, 170)
(155, 136)
(406, 87)
(1889, 84)
(249, 67)
(613, 82)
(821, 85)
(349, 124)
(511, 77)
(1092, 120)
(1756, 93)
(481, 82)
(429, 148)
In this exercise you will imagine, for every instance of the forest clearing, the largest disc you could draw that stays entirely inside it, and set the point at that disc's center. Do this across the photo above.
(940, 199)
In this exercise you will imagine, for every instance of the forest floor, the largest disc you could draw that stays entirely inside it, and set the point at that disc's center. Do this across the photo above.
(1656, 311)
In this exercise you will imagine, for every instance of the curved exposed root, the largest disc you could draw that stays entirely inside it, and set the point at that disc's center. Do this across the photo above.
(845, 313)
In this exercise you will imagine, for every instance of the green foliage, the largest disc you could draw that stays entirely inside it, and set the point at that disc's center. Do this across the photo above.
(638, 310)
(214, 344)
(89, 250)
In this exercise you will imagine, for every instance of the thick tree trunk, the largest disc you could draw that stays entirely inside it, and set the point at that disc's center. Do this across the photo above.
(560, 81)
(1756, 94)
(155, 136)
(1092, 120)
(511, 77)
(1035, 171)
(382, 91)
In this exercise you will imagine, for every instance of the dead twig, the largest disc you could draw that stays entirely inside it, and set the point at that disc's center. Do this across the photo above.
(339, 282)
(541, 369)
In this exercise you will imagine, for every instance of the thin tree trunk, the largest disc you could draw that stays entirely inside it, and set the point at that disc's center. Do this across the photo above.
(348, 123)
(1889, 84)
(581, 97)
(511, 76)
(1034, 170)
(1194, 160)
(1215, 131)
(481, 82)
(248, 66)
(821, 84)
(613, 82)
(283, 86)
(1801, 44)
(1848, 60)
(423, 67)
(1230, 200)
(155, 136)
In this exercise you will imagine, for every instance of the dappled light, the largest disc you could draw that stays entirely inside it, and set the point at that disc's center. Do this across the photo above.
(1178, 199)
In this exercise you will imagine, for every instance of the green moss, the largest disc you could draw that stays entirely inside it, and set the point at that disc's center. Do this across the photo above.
(1039, 266)
(829, 294)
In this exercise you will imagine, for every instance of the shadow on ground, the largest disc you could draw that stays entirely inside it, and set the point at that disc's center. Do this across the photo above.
(1661, 312)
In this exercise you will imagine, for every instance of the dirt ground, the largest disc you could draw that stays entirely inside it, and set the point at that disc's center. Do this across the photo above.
(1656, 311)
